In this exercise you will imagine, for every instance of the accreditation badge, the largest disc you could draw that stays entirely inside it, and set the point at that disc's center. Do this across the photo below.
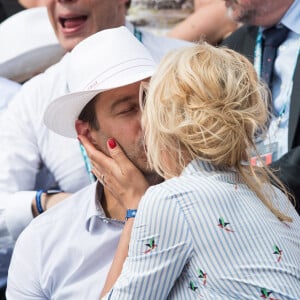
(268, 153)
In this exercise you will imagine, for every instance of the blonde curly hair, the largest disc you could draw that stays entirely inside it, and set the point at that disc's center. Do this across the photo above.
(208, 103)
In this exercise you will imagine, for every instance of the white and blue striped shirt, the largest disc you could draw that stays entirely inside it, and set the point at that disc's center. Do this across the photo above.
(206, 235)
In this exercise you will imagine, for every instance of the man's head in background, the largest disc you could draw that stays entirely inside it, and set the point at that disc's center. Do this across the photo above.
(75, 20)
(256, 12)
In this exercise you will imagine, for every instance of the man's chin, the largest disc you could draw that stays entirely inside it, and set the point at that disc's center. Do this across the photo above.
(68, 43)
(153, 178)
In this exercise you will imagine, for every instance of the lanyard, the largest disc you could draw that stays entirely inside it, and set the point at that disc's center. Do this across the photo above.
(87, 163)
(258, 52)
(138, 34)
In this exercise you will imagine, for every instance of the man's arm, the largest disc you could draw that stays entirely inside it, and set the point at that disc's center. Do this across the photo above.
(26, 144)
(47, 201)
(20, 157)
(19, 160)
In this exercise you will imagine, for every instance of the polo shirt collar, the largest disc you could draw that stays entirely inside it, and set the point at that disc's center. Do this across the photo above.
(95, 213)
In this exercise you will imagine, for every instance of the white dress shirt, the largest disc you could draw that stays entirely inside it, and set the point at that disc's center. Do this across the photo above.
(25, 143)
(66, 252)
(284, 67)
(8, 89)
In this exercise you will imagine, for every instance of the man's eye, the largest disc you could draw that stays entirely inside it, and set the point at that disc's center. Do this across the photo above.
(129, 109)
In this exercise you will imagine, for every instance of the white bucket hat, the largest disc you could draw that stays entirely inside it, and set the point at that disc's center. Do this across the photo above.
(109, 59)
(28, 45)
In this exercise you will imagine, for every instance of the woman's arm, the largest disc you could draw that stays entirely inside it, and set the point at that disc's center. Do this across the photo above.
(120, 256)
(159, 248)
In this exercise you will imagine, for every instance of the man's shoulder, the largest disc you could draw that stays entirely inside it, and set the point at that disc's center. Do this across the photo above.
(54, 70)
(35, 94)
(164, 40)
(49, 83)
(161, 45)
(242, 40)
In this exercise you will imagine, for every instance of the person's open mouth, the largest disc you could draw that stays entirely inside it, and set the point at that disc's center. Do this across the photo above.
(71, 25)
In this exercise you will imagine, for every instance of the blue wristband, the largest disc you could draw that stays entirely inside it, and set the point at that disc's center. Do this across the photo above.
(38, 201)
(130, 213)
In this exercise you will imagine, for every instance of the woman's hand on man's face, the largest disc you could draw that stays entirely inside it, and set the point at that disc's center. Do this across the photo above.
(117, 173)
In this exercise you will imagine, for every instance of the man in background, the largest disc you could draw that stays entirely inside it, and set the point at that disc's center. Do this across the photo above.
(274, 25)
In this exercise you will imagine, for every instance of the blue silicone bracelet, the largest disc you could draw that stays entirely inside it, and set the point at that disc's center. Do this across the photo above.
(130, 213)
(38, 201)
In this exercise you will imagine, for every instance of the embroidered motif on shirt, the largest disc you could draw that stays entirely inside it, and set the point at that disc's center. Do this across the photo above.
(265, 294)
(202, 275)
(222, 224)
(278, 252)
(194, 288)
(151, 246)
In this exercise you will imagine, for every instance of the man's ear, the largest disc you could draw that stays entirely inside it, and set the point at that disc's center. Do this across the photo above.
(83, 128)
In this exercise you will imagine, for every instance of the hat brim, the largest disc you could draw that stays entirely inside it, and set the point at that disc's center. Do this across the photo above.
(62, 113)
(28, 44)
(23, 67)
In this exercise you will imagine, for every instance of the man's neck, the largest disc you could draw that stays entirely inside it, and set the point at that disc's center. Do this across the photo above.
(112, 207)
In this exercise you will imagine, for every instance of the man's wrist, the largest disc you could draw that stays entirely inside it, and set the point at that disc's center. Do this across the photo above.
(34, 210)
(39, 203)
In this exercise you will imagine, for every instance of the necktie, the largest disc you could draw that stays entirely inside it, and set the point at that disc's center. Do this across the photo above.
(272, 39)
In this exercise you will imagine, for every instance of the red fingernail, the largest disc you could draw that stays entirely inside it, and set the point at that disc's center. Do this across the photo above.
(112, 143)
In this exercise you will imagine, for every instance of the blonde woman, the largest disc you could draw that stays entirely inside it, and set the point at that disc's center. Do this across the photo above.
(215, 228)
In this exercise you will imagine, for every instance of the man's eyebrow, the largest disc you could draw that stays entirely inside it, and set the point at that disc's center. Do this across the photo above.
(121, 100)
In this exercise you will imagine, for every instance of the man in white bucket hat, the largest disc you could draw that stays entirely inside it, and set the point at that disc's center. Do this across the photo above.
(66, 252)
(26, 144)
(28, 47)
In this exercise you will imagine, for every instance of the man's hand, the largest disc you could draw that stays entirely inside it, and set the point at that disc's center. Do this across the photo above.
(48, 201)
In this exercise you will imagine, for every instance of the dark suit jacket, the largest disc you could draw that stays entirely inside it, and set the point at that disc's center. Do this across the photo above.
(288, 166)
(10, 7)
